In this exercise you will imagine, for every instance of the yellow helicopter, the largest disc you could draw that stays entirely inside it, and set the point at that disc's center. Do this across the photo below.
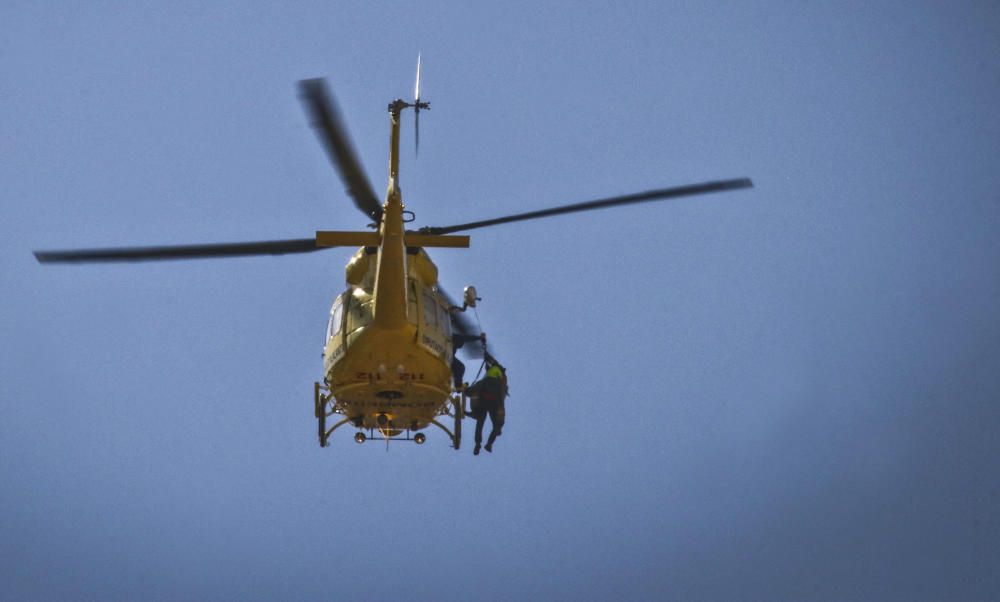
(390, 354)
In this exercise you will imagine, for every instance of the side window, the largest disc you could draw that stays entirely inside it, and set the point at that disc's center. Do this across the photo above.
(444, 320)
(336, 318)
(430, 310)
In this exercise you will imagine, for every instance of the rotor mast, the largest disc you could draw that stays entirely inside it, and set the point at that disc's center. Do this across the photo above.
(395, 109)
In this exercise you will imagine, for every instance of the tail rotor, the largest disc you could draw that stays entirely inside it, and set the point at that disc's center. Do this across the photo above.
(417, 105)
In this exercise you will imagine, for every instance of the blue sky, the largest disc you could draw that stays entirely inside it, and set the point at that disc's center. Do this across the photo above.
(779, 394)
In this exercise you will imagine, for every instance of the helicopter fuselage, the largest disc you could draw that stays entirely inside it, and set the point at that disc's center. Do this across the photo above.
(389, 376)
(388, 353)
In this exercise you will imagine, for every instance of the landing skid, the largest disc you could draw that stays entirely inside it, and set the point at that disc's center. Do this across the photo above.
(325, 405)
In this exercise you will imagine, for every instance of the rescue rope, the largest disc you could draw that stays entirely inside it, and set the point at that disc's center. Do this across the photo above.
(479, 325)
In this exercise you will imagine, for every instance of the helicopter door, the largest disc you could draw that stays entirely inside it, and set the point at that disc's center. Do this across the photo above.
(357, 314)
(412, 311)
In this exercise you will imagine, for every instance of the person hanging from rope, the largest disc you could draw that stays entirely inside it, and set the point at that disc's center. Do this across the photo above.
(487, 399)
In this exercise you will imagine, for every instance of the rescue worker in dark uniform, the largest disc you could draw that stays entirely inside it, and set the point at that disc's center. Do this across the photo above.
(488, 400)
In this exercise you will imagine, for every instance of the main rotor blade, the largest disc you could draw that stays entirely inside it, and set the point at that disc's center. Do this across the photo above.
(333, 135)
(237, 249)
(641, 197)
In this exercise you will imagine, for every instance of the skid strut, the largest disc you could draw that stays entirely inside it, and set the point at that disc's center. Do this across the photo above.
(321, 401)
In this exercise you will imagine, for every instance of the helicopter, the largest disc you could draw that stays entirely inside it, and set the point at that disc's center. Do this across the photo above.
(390, 352)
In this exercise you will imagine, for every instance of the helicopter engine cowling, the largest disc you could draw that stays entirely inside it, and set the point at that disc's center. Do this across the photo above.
(359, 271)
(423, 268)
(357, 268)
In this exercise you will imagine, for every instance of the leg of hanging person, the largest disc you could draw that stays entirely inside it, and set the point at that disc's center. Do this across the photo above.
(480, 421)
(496, 425)
(457, 371)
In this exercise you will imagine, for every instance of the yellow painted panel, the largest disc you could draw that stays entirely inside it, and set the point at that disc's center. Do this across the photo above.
(436, 240)
(333, 238)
